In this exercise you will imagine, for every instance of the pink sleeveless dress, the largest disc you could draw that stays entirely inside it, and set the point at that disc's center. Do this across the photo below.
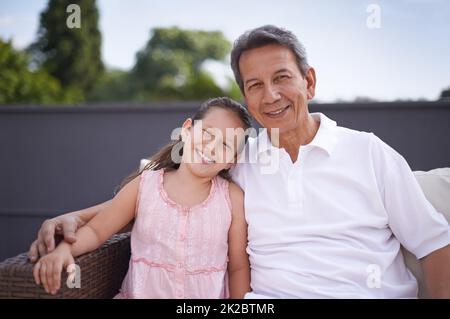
(176, 251)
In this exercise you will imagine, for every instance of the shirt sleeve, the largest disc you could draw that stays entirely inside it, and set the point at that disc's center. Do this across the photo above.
(413, 220)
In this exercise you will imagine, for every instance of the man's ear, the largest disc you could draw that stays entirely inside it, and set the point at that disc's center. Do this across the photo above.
(187, 124)
(311, 83)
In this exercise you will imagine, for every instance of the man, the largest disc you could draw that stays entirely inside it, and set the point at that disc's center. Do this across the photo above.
(329, 221)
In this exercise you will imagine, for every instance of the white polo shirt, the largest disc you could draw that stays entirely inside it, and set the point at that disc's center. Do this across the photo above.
(330, 225)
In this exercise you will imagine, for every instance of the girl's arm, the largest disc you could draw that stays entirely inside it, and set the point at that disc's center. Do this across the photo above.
(238, 265)
(109, 221)
(115, 216)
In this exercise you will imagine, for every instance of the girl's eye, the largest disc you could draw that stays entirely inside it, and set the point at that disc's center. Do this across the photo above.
(206, 135)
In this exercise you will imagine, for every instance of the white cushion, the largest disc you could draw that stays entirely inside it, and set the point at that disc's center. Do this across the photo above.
(436, 187)
(142, 164)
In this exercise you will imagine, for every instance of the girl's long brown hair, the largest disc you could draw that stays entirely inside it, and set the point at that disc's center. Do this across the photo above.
(163, 158)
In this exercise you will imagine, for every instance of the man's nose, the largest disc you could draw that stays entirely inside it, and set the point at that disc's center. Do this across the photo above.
(271, 94)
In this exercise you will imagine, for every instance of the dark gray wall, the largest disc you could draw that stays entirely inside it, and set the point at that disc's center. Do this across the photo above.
(59, 159)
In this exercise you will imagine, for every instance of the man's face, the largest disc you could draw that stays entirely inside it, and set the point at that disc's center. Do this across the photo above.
(275, 91)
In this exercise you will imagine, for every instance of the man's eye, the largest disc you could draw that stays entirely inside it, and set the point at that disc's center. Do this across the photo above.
(281, 77)
(254, 86)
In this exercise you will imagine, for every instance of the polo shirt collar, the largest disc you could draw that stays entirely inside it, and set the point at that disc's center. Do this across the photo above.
(325, 137)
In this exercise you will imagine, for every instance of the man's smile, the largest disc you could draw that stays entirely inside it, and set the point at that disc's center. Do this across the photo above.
(278, 112)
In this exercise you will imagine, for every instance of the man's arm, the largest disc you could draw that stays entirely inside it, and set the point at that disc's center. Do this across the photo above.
(436, 269)
(418, 226)
(66, 225)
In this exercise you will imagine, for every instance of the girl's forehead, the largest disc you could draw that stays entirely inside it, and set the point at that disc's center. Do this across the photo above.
(221, 118)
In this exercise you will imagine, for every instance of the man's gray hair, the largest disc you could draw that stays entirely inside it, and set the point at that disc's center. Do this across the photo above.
(262, 36)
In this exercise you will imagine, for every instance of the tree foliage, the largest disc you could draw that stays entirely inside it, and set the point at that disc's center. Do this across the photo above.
(445, 94)
(170, 65)
(64, 65)
(20, 85)
(72, 55)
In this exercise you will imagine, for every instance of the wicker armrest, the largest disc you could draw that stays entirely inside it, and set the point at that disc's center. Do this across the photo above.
(102, 272)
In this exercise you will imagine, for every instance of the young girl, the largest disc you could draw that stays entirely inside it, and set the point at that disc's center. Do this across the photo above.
(189, 237)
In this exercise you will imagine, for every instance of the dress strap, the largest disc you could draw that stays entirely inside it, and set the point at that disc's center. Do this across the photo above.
(224, 186)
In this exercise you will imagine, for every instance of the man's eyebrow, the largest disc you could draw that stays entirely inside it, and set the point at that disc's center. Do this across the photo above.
(276, 72)
(281, 71)
(250, 80)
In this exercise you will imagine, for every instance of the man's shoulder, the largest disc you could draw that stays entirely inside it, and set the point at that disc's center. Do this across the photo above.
(246, 161)
(351, 140)
(380, 152)
(351, 135)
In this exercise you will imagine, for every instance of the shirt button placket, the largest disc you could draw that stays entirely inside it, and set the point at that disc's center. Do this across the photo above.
(181, 258)
(295, 182)
(291, 186)
(299, 185)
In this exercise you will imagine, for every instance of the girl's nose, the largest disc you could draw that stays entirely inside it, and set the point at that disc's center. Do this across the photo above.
(208, 148)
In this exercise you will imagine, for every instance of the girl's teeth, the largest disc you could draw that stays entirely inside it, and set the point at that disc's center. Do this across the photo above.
(205, 157)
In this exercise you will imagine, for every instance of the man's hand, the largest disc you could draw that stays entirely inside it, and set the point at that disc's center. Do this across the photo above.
(65, 225)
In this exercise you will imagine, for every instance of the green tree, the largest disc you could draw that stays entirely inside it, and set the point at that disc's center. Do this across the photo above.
(445, 94)
(20, 85)
(71, 55)
(233, 90)
(170, 65)
(113, 85)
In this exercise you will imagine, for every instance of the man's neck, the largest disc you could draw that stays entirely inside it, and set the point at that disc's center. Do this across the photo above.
(292, 140)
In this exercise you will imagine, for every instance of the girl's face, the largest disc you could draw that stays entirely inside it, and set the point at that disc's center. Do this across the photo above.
(211, 144)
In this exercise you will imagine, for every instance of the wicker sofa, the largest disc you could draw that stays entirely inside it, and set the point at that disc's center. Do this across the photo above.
(102, 270)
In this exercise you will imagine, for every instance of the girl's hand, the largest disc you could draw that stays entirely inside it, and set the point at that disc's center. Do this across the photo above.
(48, 269)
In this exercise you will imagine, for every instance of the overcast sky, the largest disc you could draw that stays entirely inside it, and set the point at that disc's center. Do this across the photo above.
(408, 57)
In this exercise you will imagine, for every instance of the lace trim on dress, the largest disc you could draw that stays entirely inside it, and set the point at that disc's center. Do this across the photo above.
(178, 206)
(173, 268)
